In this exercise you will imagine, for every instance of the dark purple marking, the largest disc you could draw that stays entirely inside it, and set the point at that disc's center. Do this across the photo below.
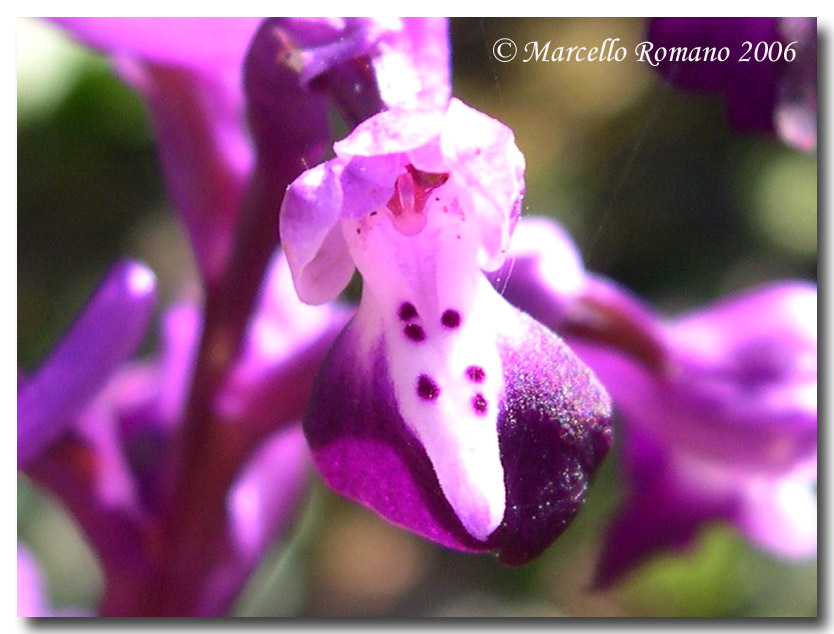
(414, 332)
(480, 404)
(407, 311)
(475, 373)
(427, 389)
(450, 318)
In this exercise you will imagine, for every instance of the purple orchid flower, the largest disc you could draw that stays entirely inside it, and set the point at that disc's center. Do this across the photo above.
(440, 406)
(768, 88)
(719, 407)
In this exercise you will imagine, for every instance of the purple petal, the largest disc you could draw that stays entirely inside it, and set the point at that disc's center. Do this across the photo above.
(784, 312)
(312, 236)
(749, 367)
(780, 514)
(311, 215)
(543, 274)
(554, 430)
(105, 334)
(364, 451)
(263, 500)
(482, 153)
(181, 329)
(367, 183)
(733, 412)
(190, 42)
(427, 42)
(392, 132)
(481, 184)
(287, 339)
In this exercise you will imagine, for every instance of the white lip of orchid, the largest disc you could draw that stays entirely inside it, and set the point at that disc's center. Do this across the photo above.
(439, 319)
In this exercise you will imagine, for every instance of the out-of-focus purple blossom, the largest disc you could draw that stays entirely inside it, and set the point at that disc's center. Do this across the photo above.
(719, 407)
(728, 431)
(440, 406)
(776, 93)
(189, 72)
(105, 334)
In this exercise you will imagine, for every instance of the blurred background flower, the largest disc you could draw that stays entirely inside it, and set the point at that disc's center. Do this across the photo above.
(656, 188)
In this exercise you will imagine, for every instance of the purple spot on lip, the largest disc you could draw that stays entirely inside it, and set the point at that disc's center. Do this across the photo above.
(480, 404)
(427, 389)
(407, 311)
(450, 318)
(475, 373)
(414, 332)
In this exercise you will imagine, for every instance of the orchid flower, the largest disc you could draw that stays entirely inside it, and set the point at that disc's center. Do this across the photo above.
(768, 87)
(719, 407)
(440, 406)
